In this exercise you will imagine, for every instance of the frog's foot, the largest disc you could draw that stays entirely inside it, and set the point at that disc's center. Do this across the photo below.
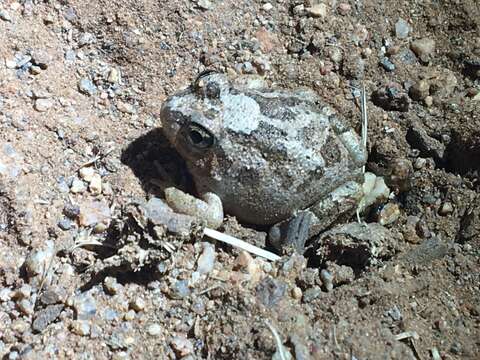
(294, 231)
(339, 204)
(209, 209)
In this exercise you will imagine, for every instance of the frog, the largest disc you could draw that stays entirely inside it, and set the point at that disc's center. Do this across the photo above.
(276, 158)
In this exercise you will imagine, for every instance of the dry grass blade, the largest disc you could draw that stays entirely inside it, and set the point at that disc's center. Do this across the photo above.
(283, 353)
(363, 106)
(240, 244)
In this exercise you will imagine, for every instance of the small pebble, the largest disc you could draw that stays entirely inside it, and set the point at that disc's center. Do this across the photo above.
(51, 296)
(6, 294)
(389, 214)
(38, 260)
(317, 10)
(204, 4)
(420, 90)
(85, 306)
(206, 261)
(23, 292)
(111, 285)
(43, 105)
(402, 29)
(138, 304)
(114, 76)
(81, 327)
(71, 211)
(154, 329)
(25, 306)
(65, 224)
(297, 293)
(129, 315)
(93, 213)
(86, 173)
(19, 326)
(5, 16)
(125, 107)
(428, 101)
(419, 163)
(77, 187)
(446, 208)
(46, 316)
(35, 70)
(387, 64)
(95, 186)
(344, 9)
(180, 289)
(423, 48)
(85, 39)
(311, 294)
(87, 87)
(267, 7)
(10, 64)
(327, 280)
(182, 346)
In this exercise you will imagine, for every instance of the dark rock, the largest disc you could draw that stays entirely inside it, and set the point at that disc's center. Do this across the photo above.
(426, 252)
(469, 224)
(357, 245)
(270, 291)
(472, 67)
(391, 98)
(71, 211)
(46, 316)
(405, 56)
(429, 147)
(65, 224)
(50, 297)
(387, 64)
(311, 294)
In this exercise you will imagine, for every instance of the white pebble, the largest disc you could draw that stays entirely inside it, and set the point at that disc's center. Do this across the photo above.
(267, 7)
(42, 105)
(138, 304)
(77, 186)
(95, 186)
(206, 261)
(154, 329)
(81, 327)
(86, 173)
(317, 10)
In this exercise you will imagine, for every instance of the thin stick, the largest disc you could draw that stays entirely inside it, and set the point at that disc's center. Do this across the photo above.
(240, 244)
(278, 341)
(363, 105)
(96, 158)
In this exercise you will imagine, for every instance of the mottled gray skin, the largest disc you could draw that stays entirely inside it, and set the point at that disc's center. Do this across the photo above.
(266, 153)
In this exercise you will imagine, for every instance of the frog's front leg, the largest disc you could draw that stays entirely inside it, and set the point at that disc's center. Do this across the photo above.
(208, 209)
(339, 204)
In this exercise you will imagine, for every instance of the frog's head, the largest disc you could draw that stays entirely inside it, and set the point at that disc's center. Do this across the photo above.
(193, 118)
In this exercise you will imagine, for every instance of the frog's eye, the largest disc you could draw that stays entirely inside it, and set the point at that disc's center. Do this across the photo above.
(199, 137)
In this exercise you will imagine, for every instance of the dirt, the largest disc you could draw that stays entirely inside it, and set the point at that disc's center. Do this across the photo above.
(81, 85)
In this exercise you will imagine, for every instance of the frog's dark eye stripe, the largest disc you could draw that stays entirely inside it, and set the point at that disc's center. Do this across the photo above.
(202, 75)
(198, 137)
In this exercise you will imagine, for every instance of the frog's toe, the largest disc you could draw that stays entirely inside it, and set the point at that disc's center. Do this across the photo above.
(292, 232)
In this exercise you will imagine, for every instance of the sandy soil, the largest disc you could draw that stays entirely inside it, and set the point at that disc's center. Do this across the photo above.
(81, 85)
